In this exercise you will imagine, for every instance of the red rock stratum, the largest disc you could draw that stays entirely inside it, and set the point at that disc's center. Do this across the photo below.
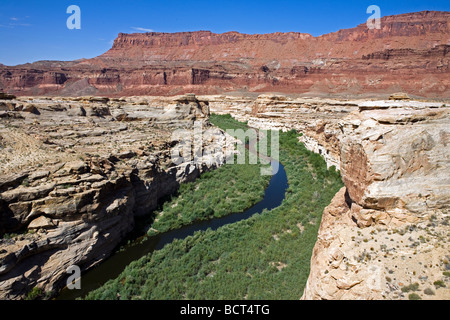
(410, 53)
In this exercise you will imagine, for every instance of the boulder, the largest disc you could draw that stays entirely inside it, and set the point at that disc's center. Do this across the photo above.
(41, 223)
(77, 111)
(30, 108)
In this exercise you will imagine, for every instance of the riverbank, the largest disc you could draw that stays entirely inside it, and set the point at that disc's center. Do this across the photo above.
(225, 195)
(264, 257)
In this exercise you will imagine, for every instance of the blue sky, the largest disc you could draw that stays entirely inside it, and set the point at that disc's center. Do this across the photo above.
(33, 30)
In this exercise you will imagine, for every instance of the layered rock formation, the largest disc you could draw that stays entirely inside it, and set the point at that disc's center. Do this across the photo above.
(388, 228)
(75, 173)
(409, 53)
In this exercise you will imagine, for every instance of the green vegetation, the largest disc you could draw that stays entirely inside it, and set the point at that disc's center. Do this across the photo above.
(38, 294)
(414, 296)
(264, 257)
(411, 287)
(228, 189)
(428, 291)
(439, 284)
(34, 294)
(7, 236)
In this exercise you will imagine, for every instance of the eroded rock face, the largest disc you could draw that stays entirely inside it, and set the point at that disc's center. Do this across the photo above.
(75, 175)
(397, 158)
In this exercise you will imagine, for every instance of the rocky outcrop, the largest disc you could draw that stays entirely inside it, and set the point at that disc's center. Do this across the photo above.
(408, 54)
(77, 173)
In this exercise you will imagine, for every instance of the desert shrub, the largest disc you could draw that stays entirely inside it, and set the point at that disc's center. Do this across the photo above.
(428, 291)
(231, 188)
(414, 296)
(439, 284)
(411, 287)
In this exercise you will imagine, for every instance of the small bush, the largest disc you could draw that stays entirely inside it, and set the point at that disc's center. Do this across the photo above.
(414, 296)
(25, 182)
(34, 294)
(429, 292)
(411, 287)
(439, 284)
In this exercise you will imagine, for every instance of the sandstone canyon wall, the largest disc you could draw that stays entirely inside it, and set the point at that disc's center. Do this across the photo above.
(388, 228)
(409, 53)
(76, 173)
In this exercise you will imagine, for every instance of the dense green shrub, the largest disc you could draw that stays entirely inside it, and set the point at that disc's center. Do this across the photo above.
(34, 294)
(414, 296)
(428, 291)
(411, 287)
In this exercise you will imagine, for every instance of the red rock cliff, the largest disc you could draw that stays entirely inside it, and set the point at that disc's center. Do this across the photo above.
(409, 53)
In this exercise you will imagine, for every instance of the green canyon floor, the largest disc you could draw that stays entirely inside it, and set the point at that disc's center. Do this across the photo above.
(264, 257)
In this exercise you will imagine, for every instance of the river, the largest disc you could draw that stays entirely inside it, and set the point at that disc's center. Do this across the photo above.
(114, 265)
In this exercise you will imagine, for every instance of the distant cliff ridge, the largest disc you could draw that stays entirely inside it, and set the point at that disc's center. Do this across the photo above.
(409, 53)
